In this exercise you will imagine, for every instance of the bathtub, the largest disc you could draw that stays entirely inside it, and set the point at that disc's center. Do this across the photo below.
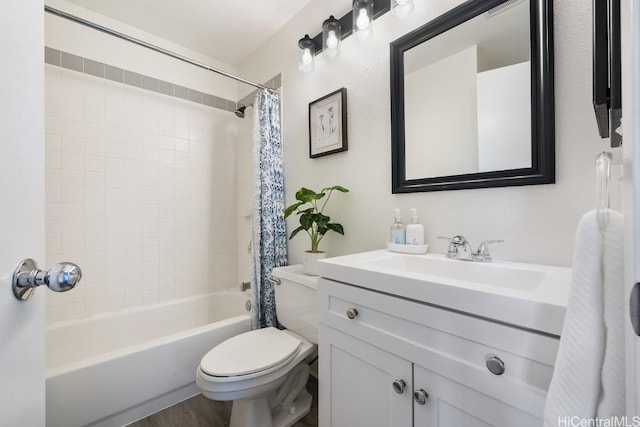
(113, 369)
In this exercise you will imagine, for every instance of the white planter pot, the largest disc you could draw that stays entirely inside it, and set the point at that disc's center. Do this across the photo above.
(310, 264)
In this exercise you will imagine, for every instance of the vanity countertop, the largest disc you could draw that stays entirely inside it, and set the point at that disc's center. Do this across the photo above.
(530, 296)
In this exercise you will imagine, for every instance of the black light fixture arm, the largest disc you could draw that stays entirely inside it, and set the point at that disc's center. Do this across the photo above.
(380, 7)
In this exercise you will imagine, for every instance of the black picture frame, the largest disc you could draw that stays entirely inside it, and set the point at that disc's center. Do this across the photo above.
(542, 170)
(328, 124)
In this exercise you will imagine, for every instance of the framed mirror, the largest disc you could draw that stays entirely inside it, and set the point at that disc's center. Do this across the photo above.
(472, 99)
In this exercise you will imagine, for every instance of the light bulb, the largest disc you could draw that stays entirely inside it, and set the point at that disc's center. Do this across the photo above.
(306, 61)
(306, 57)
(332, 40)
(402, 8)
(363, 20)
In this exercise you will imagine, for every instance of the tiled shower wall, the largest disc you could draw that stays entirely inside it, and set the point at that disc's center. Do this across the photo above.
(140, 192)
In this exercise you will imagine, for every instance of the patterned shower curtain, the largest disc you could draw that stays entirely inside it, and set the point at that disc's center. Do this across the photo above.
(269, 235)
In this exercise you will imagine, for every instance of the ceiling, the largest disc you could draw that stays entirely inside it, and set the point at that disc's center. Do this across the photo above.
(226, 30)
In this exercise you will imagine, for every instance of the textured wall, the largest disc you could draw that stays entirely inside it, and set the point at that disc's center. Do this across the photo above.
(537, 222)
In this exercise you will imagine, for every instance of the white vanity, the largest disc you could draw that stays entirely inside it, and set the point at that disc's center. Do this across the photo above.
(422, 340)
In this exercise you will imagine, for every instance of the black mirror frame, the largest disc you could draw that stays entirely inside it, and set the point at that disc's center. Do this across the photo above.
(542, 103)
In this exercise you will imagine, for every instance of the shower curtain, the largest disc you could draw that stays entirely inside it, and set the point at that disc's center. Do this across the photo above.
(269, 235)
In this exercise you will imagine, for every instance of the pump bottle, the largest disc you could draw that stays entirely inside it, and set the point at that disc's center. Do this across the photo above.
(398, 230)
(414, 234)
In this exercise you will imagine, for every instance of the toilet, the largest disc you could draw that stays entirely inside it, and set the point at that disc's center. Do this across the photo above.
(265, 371)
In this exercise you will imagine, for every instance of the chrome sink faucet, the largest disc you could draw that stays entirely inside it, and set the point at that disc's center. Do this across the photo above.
(460, 249)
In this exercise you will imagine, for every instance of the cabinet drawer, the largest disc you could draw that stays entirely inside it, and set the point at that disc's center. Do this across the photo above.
(431, 336)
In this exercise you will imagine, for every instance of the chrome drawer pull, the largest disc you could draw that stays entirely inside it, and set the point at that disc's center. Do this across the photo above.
(398, 386)
(352, 313)
(420, 396)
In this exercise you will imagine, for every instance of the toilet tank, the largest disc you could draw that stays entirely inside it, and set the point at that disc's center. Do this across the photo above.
(296, 303)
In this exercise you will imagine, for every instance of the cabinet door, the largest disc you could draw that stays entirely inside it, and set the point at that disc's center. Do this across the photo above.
(450, 403)
(356, 384)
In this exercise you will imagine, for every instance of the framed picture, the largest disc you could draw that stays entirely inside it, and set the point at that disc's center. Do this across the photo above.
(328, 124)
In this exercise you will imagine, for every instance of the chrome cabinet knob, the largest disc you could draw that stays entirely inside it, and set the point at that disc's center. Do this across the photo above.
(352, 313)
(60, 278)
(495, 365)
(398, 386)
(420, 396)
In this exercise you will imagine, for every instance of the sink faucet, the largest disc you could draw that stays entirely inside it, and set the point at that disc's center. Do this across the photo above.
(460, 249)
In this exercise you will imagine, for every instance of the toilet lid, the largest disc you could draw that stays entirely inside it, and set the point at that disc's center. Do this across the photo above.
(250, 352)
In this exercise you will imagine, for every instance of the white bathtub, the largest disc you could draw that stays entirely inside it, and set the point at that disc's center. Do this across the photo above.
(112, 369)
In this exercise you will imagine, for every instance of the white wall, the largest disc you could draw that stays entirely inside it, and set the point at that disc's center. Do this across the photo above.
(441, 117)
(504, 118)
(538, 223)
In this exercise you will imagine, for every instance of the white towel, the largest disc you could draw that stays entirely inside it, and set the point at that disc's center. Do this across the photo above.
(612, 394)
(588, 379)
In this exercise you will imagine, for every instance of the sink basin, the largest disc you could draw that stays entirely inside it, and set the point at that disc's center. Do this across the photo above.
(492, 274)
(530, 296)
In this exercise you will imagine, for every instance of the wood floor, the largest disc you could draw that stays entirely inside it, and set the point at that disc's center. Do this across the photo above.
(202, 412)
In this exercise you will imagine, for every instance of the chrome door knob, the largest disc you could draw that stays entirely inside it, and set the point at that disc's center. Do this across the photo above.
(420, 396)
(60, 278)
(63, 277)
(352, 313)
(398, 386)
(495, 365)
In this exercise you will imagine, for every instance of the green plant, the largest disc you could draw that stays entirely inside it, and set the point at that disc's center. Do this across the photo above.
(312, 219)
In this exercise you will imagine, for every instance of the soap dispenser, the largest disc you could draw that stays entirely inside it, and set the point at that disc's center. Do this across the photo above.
(398, 232)
(414, 232)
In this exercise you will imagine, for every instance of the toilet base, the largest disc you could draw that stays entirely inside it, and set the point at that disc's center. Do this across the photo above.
(301, 406)
(257, 413)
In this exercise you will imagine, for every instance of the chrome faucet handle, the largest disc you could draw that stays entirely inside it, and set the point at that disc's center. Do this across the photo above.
(459, 240)
(455, 240)
(483, 254)
(452, 250)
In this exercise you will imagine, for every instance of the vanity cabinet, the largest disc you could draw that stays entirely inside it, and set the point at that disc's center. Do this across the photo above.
(390, 361)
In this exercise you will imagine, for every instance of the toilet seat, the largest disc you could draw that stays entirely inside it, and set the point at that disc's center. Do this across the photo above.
(250, 354)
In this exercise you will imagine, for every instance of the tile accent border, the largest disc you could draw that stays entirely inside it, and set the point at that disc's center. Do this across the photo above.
(105, 71)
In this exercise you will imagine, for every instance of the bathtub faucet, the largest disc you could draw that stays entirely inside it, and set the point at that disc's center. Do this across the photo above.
(244, 286)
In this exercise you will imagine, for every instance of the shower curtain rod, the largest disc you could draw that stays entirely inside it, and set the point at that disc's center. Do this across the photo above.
(155, 48)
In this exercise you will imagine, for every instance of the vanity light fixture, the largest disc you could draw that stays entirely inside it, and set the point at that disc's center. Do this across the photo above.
(331, 35)
(358, 21)
(363, 18)
(402, 8)
(306, 54)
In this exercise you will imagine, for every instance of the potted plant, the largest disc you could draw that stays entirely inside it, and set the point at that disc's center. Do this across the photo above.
(310, 207)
